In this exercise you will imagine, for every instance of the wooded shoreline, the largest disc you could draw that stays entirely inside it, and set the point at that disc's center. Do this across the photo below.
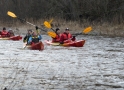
(105, 16)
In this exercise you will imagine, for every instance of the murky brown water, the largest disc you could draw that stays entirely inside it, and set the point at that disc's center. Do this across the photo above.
(99, 65)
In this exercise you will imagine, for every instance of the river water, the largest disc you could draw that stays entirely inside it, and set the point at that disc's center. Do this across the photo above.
(99, 65)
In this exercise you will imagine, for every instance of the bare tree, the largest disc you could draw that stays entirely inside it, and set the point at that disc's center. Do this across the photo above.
(93, 10)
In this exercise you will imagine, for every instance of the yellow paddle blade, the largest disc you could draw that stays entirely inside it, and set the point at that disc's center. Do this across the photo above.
(51, 21)
(87, 30)
(52, 34)
(47, 24)
(11, 14)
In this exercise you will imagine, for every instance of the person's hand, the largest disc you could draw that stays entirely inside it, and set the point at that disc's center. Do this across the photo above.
(36, 27)
(38, 33)
(73, 38)
(61, 42)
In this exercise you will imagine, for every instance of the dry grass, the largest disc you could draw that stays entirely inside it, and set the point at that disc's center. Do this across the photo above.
(104, 28)
(109, 29)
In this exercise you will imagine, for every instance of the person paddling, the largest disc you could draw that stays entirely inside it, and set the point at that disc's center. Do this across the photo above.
(28, 35)
(35, 38)
(10, 33)
(66, 37)
(4, 33)
(31, 37)
(57, 38)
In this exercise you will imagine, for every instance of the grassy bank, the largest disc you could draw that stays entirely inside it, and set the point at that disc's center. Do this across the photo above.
(99, 28)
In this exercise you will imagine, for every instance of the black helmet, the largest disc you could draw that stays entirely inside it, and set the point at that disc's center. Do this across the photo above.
(4, 28)
(36, 27)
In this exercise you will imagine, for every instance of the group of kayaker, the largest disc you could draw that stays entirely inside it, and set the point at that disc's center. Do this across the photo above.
(5, 33)
(64, 37)
(34, 36)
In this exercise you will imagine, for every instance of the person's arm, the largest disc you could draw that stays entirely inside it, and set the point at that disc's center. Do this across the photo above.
(37, 29)
(70, 35)
(73, 38)
(8, 34)
(29, 40)
(40, 37)
(25, 39)
(61, 39)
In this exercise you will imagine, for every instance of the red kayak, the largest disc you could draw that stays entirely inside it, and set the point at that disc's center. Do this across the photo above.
(14, 38)
(79, 43)
(36, 46)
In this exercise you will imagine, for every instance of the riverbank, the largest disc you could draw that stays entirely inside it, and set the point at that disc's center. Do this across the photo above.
(103, 29)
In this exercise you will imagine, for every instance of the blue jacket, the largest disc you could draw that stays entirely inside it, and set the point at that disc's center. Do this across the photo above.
(34, 39)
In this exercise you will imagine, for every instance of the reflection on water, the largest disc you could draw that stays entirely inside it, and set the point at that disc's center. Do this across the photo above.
(99, 65)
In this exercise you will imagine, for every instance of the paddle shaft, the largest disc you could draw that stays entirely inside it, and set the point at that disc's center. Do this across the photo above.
(30, 24)
(53, 29)
(34, 25)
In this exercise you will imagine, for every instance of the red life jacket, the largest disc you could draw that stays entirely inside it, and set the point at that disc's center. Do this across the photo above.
(65, 36)
(4, 34)
(57, 38)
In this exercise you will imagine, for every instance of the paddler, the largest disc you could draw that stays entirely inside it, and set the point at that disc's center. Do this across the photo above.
(28, 35)
(66, 37)
(10, 33)
(35, 38)
(57, 38)
(4, 33)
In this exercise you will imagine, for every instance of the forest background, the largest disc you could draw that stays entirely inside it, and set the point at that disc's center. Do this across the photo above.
(106, 17)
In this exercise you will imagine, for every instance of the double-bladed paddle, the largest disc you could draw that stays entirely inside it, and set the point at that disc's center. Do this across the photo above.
(48, 25)
(11, 14)
(53, 34)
